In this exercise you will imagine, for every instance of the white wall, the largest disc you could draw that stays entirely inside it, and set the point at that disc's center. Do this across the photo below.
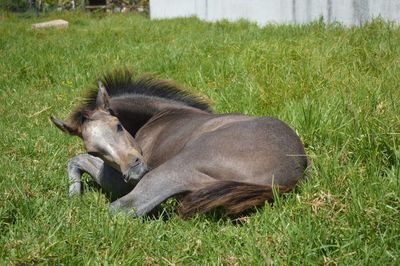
(173, 8)
(348, 12)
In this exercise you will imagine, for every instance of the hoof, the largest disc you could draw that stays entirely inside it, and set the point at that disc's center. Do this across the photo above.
(116, 208)
(75, 190)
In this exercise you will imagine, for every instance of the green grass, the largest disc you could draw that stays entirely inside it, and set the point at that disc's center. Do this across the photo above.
(338, 87)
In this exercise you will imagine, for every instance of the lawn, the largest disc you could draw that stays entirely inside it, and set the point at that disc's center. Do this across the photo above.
(338, 87)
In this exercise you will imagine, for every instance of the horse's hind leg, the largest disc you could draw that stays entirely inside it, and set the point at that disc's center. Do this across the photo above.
(157, 186)
(151, 191)
(110, 180)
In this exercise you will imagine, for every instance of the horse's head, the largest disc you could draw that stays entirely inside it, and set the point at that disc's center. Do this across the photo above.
(105, 137)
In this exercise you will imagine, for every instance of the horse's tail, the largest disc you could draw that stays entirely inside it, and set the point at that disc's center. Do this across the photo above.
(234, 197)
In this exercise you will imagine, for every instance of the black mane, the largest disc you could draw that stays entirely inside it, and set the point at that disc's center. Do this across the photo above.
(122, 82)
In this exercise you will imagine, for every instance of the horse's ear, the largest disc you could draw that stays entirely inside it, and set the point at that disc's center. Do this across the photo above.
(64, 126)
(102, 100)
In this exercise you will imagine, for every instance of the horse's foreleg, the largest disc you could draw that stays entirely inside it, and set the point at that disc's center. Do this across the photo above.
(110, 180)
(83, 163)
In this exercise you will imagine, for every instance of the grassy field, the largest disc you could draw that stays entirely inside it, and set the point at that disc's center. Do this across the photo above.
(339, 88)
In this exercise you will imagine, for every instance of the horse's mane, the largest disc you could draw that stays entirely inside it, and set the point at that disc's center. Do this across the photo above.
(122, 83)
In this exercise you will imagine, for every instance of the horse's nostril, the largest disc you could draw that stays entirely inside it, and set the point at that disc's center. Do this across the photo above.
(136, 161)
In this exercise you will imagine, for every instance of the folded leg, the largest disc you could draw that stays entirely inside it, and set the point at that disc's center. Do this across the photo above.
(157, 186)
(110, 180)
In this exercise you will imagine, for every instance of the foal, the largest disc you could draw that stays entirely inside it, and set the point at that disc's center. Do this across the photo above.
(179, 148)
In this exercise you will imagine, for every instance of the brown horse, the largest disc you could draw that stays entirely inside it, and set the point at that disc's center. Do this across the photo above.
(179, 148)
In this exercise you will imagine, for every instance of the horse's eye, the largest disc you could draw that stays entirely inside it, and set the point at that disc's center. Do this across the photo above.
(111, 111)
(119, 127)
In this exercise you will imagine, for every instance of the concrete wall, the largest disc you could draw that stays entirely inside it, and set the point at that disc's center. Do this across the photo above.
(347, 12)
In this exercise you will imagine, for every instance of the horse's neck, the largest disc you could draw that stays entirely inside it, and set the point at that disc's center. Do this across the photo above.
(135, 111)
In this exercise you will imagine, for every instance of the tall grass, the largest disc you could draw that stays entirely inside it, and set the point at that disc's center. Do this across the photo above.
(338, 87)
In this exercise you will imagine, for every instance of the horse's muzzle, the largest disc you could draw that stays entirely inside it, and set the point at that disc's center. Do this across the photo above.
(136, 172)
